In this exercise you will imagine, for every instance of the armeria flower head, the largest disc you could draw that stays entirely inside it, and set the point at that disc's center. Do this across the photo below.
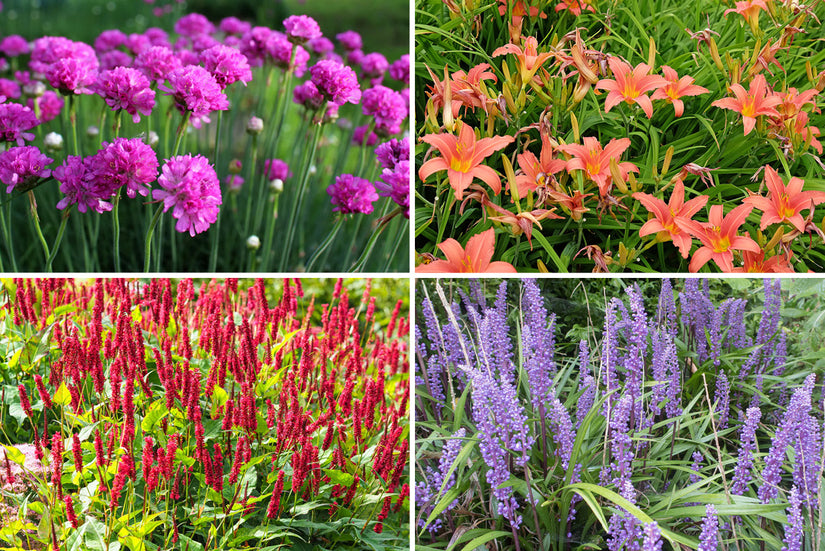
(676, 88)
(322, 46)
(226, 64)
(15, 119)
(193, 24)
(390, 153)
(719, 237)
(14, 45)
(109, 40)
(529, 59)
(400, 69)
(307, 94)
(80, 186)
(462, 157)
(351, 194)
(388, 108)
(665, 216)
(276, 169)
(128, 163)
(233, 25)
(22, 167)
(191, 189)
(630, 86)
(784, 203)
(350, 40)
(196, 91)
(50, 105)
(300, 29)
(127, 89)
(336, 82)
(474, 259)
(395, 184)
(74, 72)
(157, 62)
(756, 101)
(595, 161)
(286, 55)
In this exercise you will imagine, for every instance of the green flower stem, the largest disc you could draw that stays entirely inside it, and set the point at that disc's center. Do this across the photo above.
(73, 122)
(118, 115)
(250, 196)
(148, 243)
(365, 255)
(355, 234)
(36, 220)
(7, 229)
(181, 133)
(326, 243)
(270, 227)
(116, 228)
(399, 239)
(216, 231)
(59, 238)
(298, 201)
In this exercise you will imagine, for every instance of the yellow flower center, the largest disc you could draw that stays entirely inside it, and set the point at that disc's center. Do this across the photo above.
(593, 167)
(630, 92)
(721, 245)
(460, 164)
(748, 108)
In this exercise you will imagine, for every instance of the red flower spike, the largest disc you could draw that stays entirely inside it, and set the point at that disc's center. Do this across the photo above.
(70, 514)
(44, 394)
(24, 401)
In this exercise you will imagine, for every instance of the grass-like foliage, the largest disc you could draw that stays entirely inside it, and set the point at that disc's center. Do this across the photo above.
(619, 415)
(213, 415)
(611, 135)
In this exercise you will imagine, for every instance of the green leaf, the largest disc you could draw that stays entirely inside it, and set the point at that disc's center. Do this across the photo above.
(94, 535)
(339, 477)
(15, 455)
(157, 411)
(62, 397)
(481, 540)
(187, 544)
(16, 411)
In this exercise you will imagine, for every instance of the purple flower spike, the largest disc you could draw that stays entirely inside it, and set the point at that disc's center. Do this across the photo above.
(300, 29)
(744, 464)
(709, 539)
(351, 194)
(192, 190)
(195, 90)
(227, 65)
(127, 89)
(336, 82)
(793, 530)
(23, 166)
(653, 537)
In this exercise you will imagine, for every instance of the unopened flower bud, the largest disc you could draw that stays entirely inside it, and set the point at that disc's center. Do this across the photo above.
(53, 141)
(276, 185)
(93, 131)
(253, 243)
(153, 138)
(34, 89)
(255, 126)
(235, 166)
(313, 169)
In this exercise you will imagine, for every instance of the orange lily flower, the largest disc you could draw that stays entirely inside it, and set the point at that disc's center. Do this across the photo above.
(785, 203)
(630, 86)
(665, 216)
(465, 88)
(752, 103)
(720, 237)
(522, 222)
(575, 6)
(755, 263)
(474, 259)
(535, 171)
(595, 161)
(462, 157)
(529, 58)
(749, 9)
(574, 204)
(676, 88)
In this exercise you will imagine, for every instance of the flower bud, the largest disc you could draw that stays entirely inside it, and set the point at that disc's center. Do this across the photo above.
(34, 89)
(255, 126)
(93, 131)
(253, 243)
(53, 141)
(276, 185)
(153, 138)
(235, 166)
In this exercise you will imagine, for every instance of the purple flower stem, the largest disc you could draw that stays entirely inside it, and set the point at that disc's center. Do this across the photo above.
(36, 220)
(532, 503)
(542, 415)
(298, 201)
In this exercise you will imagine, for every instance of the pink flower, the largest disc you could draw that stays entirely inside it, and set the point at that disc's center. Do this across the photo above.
(80, 186)
(351, 194)
(336, 82)
(129, 163)
(15, 119)
(388, 108)
(127, 89)
(23, 166)
(50, 105)
(300, 29)
(191, 189)
(196, 91)
(631, 85)
(194, 24)
(14, 45)
(350, 40)
(226, 64)
(157, 62)
(233, 25)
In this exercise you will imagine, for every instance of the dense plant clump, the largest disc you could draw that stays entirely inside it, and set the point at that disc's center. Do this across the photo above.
(190, 118)
(621, 136)
(219, 415)
(682, 418)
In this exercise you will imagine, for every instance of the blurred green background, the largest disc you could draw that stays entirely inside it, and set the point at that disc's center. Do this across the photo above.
(384, 26)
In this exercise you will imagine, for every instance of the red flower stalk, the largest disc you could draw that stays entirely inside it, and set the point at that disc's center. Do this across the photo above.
(217, 469)
(9, 475)
(77, 453)
(70, 511)
(148, 456)
(227, 416)
(275, 500)
(101, 463)
(351, 491)
(123, 470)
(240, 453)
(44, 395)
(270, 414)
(393, 319)
(24, 401)
(57, 462)
(405, 491)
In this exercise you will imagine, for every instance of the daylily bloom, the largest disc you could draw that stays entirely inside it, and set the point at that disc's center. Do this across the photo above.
(767, 57)
(522, 222)
(630, 86)
(676, 88)
(535, 171)
(529, 58)
(785, 203)
(595, 161)
(665, 216)
(755, 263)
(752, 103)
(462, 157)
(466, 89)
(575, 6)
(749, 9)
(719, 237)
(573, 204)
(474, 259)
